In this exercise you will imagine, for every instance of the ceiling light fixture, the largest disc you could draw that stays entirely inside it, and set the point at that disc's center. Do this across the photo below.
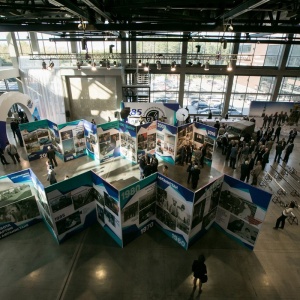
(115, 63)
(173, 66)
(190, 63)
(93, 66)
(229, 66)
(140, 63)
(51, 65)
(108, 65)
(111, 48)
(158, 65)
(146, 67)
(101, 63)
(206, 66)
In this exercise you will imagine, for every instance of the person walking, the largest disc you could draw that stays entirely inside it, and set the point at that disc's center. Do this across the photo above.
(165, 170)
(51, 156)
(278, 153)
(244, 170)
(286, 212)
(288, 151)
(265, 158)
(2, 157)
(12, 151)
(154, 164)
(255, 173)
(142, 165)
(51, 176)
(195, 176)
(200, 272)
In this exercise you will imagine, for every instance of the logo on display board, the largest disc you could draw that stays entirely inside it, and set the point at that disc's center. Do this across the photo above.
(154, 113)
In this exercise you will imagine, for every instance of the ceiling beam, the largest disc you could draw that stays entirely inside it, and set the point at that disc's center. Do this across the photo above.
(95, 6)
(177, 27)
(242, 8)
(70, 7)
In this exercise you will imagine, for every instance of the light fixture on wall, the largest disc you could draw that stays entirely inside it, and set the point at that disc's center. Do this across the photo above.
(44, 65)
(108, 65)
(115, 63)
(206, 66)
(111, 48)
(230, 27)
(140, 63)
(229, 66)
(101, 63)
(190, 63)
(158, 65)
(173, 66)
(93, 66)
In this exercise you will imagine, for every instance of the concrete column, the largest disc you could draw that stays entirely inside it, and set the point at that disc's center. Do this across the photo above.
(182, 73)
(34, 43)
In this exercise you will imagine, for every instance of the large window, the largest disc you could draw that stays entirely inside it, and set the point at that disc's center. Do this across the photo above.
(23, 43)
(164, 87)
(250, 88)
(260, 54)
(203, 92)
(289, 89)
(7, 85)
(294, 56)
(213, 52)
(4, 53)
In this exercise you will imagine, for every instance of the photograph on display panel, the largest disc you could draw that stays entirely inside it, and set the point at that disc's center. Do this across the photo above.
(61, 202)
(14, 193)
(100, 213)
(209, 218)
(237, 205)
(68, 223)
(147, 206)
(130, 213)
(111, 204)
(84, 197)
(174, 207)
(198, 213)
(19, 211)
(242, 229)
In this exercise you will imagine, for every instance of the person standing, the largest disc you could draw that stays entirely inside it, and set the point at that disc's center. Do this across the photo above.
(200, 272)
(278, 153)
(203, 154)
(142, 165)
(2, 157)
(195, 176)
(288, 151)
(14, 126)
(51, 156)
(286, 212)
(277, 133)
(51, 176)
(12, 151)
(265, 158)
(165, 170)
(147, 169)
(244, 170)
(255, 173)
(233, 156)
(292, 135)
(154, 164)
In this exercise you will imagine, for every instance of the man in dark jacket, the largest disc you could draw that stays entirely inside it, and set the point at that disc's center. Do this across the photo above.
(277, 133)
(195, 176)
(14, 125)
(244, 170)
(288, 151)
(292, 135)
(265, 158)
(51, 156)
(279, 150)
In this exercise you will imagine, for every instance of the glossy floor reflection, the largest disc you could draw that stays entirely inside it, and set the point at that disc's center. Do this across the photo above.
(91, 265)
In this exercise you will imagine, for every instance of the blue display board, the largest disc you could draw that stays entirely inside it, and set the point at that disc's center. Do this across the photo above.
(241, 211)
(128, 141)
(108, 208)
(108, 140)
(174, 209)
(138, 204)
(36, 137)
(18, 206)
(73, 140)
(90, 134)
(72, 205)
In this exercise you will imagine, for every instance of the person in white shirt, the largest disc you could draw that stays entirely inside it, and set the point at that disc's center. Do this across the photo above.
(286, 212)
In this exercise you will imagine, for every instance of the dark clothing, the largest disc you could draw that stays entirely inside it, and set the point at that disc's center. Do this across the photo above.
(2, 157)
(279, 150)
(203, 154)
(195, 177)
(265, 159)
(288, 151)
(199, 269)
(14, 126)
(277, 133)
(244, 171)
(281, 220)
(233, 155)
(292, 136)
(182, 155)
(154, 164)
(51, 157)
(142, 166)
(147, 170)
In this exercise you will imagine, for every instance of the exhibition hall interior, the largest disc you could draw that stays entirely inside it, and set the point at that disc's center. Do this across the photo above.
(116, 125)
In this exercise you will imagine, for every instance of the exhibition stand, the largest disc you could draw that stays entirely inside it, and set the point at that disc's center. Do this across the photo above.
(72, 205)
